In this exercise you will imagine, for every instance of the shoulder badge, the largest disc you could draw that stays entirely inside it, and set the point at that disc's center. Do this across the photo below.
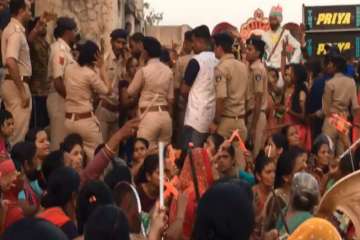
(61, 60)
(62, 47)
(218, 78)
(258, 77)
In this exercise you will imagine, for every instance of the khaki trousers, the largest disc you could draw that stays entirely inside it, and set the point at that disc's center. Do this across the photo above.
(89, 130)
(56, 109)
(156, 127)
(109, 121)
(331, 132)
(11, 97)
(260, 131)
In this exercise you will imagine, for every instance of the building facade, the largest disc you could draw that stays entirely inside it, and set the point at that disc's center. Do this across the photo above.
(169, 36)
(97, 18)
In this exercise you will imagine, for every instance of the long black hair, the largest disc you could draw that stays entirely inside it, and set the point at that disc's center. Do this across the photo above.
(286, 164)
(300, 86)
(93, 195)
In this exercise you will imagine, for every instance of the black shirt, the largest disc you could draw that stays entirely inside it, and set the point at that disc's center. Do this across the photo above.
(191, 72)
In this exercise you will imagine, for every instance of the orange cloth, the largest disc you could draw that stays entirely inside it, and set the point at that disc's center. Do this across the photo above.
(205, 180)
(14, 211)
(54, 215)
(315, 228)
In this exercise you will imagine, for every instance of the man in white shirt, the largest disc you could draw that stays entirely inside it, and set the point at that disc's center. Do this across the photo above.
(199, 86)
(274, 41)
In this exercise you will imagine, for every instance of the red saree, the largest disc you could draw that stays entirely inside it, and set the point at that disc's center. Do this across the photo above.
(303, 130)
(356, 123)
(205, 180)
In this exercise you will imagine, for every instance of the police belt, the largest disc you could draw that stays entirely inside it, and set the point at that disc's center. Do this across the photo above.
(24, 78)
(111, 107)
(234, 117)
(78, 116)
(162, 108)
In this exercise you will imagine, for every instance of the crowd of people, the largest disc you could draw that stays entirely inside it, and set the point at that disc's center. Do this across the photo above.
(254, 136)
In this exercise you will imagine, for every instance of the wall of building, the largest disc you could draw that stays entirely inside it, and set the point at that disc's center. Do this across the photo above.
(168, 35)
(96, 19)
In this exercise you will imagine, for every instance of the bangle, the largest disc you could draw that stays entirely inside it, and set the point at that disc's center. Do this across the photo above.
(109, 149)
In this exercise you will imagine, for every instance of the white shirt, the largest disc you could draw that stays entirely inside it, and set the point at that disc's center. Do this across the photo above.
(200, 110)
(271, 38)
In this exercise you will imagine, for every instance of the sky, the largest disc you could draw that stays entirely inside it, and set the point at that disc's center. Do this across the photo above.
(236, 12)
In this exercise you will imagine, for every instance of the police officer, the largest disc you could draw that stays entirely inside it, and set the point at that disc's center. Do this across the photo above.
(231, 82)
(16, 55)
(339, 96)
(60, 57)
(82, 80)
(256, 93)
(155, 84)
(115, 62)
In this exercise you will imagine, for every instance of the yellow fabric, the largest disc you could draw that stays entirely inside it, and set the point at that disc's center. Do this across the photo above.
(315, 229)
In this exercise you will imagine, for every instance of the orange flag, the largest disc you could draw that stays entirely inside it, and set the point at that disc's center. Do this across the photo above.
(236, 135)
(340, 123)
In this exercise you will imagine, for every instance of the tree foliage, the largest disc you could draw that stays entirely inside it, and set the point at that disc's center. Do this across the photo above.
(152, 17)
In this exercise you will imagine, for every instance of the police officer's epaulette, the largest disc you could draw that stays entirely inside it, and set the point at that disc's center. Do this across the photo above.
(18, 28)
(62, 47)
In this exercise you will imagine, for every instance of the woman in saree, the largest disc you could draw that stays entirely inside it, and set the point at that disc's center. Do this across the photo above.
(11, 184)
(289, 163)
(315, 228)
(265, 177)
(356, 120)
(193, 186)
(295, 104)
(304, 196)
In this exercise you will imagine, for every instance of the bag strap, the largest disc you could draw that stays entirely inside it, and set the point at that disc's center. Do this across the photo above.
(276, 45)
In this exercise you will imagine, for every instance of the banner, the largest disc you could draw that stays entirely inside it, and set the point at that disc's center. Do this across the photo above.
(342, 17)
(255, 25)
(347, 42)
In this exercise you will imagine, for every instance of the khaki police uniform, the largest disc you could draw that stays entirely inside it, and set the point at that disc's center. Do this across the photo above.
(180, 102)
(231, 84)
(339, 95)
(60, 58)
(108, 109)
(14, 45)
(258, 85)
(81, 83)
(154, 79)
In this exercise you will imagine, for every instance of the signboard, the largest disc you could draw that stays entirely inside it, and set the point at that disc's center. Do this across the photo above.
(344, 17)
(347, 42)
(255, 25)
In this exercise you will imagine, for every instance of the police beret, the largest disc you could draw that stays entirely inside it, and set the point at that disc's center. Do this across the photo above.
(257, 42)
(119, 33)
(66, 23)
